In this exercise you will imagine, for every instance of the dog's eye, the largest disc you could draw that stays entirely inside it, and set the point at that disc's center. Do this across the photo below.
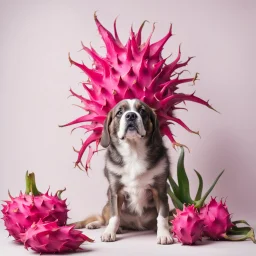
(142, 111)
(119, 112)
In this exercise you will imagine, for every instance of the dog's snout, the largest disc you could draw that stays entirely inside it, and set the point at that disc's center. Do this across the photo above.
(131, 116)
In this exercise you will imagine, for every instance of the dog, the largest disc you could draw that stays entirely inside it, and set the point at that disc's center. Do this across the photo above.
(136, 167)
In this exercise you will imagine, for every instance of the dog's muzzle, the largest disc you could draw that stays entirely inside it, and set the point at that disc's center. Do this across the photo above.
(131, 124)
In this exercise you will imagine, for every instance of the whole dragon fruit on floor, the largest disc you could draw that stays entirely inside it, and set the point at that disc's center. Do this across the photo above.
(19, 213)
(134, 70)
(48, 237)
(218, 224)
(187, 225)
(216, 219)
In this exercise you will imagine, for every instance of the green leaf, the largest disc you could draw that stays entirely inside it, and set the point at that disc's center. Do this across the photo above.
(239, 230)
(174, 186)
(176, 202)
(240, 222)
(183, 180)
(200, 186)
(240, 234)
(200, 203)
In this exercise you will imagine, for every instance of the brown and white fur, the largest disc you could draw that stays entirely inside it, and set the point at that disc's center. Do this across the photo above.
(137, 167)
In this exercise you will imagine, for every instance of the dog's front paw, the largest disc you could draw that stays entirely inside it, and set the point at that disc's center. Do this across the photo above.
(164, 237)
(108, 237)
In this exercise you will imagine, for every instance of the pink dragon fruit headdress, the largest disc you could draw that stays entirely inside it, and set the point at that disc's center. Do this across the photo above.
(133, 70)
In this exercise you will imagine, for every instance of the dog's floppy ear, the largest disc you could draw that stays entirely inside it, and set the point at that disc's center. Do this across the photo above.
(105, 137)
(155, 124)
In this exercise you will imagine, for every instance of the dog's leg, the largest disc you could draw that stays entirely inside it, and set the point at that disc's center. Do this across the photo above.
(163, 232)
(96, 220)
(116, 201)
(94, 225)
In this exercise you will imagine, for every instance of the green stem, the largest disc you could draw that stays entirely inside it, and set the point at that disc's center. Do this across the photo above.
(27, 191)
(31, 184)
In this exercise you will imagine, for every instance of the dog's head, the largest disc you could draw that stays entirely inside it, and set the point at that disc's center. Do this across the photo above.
(130, 120)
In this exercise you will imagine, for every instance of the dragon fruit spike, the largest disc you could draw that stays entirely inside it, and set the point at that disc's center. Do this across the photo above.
(133, 70)
(48, 237)
(216, 219)
(20, 212)
(187, 226)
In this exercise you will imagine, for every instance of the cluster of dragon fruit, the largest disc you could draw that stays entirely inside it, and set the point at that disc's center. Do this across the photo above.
(133, 70)
(39, 220)
(194, 219)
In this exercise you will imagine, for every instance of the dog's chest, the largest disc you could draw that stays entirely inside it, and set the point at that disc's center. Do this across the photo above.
(135, 178)
(137, 181)
(134, 171)
(136, 189)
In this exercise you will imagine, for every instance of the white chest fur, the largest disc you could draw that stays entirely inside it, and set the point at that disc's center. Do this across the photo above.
(135, 177)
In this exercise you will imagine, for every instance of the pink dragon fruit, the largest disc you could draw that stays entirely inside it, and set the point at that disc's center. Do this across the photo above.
(21, 212)
(187, 226)
(134, 70)
(216, 219)
(48, 237)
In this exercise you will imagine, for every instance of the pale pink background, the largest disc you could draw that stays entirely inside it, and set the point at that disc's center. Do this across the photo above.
(35, 77)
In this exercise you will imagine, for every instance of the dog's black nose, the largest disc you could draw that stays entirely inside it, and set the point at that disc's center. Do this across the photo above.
(130, 116)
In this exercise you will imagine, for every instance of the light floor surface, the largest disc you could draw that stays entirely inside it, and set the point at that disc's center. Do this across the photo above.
(137, 243)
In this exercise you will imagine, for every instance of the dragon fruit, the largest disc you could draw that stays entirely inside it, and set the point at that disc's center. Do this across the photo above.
(133, 70)
(187, 225)
(48, 237)
(21, 212)
(216, 219)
